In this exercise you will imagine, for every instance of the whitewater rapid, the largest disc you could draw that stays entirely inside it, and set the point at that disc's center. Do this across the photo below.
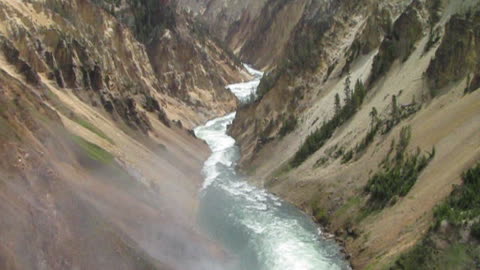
(260, 230)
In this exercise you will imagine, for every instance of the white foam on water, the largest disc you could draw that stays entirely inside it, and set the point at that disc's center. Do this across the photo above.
(246, 91)
(214, 134)
(280, 240)
(256, 73)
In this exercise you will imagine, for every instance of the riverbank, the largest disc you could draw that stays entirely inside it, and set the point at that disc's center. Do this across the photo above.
(260, 230)
(331, 187)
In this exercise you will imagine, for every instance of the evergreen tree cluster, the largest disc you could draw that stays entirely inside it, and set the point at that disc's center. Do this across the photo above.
(269, 80)
(352, 101)
(382, 125)
(398, 173)
(464, 202)
(288, 126)
(152, 17)
(462, 206)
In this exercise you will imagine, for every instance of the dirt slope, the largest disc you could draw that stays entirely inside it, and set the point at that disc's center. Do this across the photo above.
(393, 48)
(98, 168)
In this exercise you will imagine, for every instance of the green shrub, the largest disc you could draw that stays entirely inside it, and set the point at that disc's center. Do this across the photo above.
(398, 174)
(314, 142)
(372, 132)
(93, 151)
(353, 100)
(84, 123)
(418, 257)
(268, 81)
(433, 38)
(320, 214)
(320, 162)
(462, 205)
(427, 256)
(385, 125)
(288, 126)
(476, 230)
(347, 156)
(464, 202)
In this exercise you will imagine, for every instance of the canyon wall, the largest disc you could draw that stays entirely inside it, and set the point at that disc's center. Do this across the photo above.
(353, 81)
(99, 167)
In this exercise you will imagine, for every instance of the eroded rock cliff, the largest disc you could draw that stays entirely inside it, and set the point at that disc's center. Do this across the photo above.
(360, 85)
(99, 168)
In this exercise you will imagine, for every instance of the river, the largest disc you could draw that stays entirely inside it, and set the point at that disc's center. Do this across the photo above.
(260, 230)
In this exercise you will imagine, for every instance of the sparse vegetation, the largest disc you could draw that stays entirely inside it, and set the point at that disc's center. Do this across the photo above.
(319, 213)
(372, 132)
(314, 142)
(6, 131)
(84, 123)
(352, 203)
(434, 7)
(268, 81)
(108, 5)
(304, 54)
(462, 205)
(475, 230)
(60, 8)
(383, 60)
(288, 126)
(93, 151)
(203, 34)
(464, 202)
(398, 174)
(151, 18)
(427, 256)
(433, 38)
(383, 125)
(473, 84)
(320, 162)
(347, 156)
(353, 100)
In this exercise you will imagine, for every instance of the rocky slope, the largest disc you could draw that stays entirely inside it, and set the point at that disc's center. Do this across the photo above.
(98, 167)
(256, 30)
(223, 18)
(355, 83)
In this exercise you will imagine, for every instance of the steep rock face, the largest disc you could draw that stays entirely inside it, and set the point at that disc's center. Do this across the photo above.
(459, 51)
(269, 32)
(97, 167)
(195, 69)
(119, 69)
(378, 24)
(48, 221)
(313, 54)
(256, 30)
(66, 53)
(400, 43)
(182, 57)
(223, 16)
(322, 46)
(401, 48)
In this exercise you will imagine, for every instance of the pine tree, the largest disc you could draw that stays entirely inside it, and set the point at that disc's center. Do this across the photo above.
(360, 91)
(338, 106)
(374, 115)
(348, 91)
(394, 108)
(348, 107)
